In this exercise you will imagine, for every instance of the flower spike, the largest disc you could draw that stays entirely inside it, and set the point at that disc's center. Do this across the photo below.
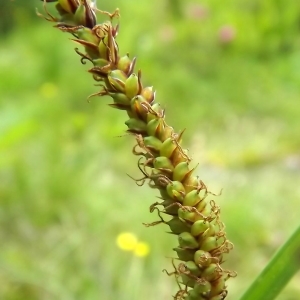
(164, 163)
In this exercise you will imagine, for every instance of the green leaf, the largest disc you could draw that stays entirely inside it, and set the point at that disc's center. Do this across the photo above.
(281, 268)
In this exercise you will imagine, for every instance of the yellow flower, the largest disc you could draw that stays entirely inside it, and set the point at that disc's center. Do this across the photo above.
(141, 249)
(48, 90)
(127, 241)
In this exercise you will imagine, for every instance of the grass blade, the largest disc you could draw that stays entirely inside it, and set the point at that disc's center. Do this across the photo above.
(281, 268)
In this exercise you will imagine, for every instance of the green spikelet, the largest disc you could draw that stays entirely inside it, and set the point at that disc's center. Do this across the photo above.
(165, 164)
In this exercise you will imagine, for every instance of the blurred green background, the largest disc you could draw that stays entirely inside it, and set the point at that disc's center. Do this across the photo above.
(228, 72)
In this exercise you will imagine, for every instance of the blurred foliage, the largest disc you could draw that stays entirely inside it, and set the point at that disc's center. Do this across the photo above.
(229, 74)
(14, 13)
(262, 27)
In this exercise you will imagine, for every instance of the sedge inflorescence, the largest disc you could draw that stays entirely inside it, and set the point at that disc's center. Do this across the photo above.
(164, 164)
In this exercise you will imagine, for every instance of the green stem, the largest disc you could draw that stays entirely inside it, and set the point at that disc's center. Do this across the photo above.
(281, 268)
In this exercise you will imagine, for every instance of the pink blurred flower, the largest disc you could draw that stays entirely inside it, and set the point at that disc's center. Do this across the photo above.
(167, 33)
(227, 34)
(196, 11)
